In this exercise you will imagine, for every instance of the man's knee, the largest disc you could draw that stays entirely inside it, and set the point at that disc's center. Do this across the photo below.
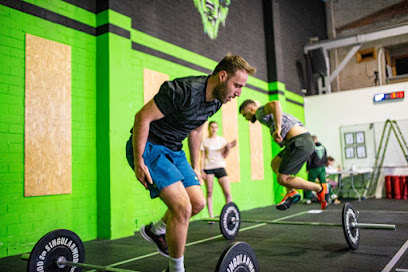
(182, 210)
(197, 206)
(209, 193)
(282, 179)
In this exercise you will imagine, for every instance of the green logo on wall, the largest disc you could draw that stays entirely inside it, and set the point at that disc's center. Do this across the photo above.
(213, 12)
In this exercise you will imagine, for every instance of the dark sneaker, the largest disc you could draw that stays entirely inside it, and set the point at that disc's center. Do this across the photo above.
(288, 200)
(158, 240)
(324, 196)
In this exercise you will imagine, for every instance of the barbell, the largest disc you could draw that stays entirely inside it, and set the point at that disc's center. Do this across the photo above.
(62, 250)
(230, 221)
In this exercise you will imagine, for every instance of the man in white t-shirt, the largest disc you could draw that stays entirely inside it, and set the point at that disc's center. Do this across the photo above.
(214, 150)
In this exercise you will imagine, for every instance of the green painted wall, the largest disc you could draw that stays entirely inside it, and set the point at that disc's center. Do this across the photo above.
(102, 139)
(130, 203)
(23, 220)
(107, 90)
(125, 101)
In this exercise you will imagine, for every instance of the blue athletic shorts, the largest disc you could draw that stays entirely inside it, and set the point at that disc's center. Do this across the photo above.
(166, 166)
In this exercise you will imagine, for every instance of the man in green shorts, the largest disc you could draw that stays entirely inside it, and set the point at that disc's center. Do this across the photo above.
(289, 132)
(316, 167)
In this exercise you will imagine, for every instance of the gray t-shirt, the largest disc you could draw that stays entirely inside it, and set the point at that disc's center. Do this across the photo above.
(288, 121)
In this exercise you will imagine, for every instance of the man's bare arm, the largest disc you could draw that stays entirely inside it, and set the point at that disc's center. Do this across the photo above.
(227, 148)
(194, 142)
(203, 174)
(149, 113)
(275, 108)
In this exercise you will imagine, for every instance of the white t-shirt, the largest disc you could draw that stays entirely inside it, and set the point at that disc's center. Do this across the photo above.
(213, 152)
(330, 169)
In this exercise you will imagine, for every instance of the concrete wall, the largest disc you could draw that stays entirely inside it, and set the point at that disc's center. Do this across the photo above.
(348, 18)
(344, 12)
(292, 24)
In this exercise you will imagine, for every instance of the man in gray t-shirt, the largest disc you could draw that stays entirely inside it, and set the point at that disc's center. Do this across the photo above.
(298, 145)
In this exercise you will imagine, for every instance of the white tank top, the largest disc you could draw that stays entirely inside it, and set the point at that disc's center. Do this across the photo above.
(213, 152)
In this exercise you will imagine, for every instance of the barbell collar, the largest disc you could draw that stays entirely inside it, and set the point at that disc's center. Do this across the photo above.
(373, 226)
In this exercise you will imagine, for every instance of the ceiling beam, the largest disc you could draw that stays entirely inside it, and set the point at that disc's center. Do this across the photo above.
(386, 14)
(358, 39)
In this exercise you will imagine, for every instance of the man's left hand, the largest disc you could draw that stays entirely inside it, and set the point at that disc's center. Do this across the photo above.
(277, 136)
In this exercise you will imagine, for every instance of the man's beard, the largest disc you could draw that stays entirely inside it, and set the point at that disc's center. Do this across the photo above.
(221, 92)
(253, 119)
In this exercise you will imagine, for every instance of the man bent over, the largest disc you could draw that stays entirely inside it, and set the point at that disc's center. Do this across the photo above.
(289, 132)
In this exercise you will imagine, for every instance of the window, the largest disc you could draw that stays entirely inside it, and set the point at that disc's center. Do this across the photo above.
(366, 54)
(400, 64)
(397, 61)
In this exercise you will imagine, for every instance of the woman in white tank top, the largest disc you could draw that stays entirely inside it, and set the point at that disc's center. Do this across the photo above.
(214, 150)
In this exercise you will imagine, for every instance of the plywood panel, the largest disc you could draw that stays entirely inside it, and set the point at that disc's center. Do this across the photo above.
(47, 161)
(257, 161)
(230, 132)
(152, 81)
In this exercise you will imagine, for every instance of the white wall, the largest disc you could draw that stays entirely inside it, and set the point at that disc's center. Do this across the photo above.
(325, 114)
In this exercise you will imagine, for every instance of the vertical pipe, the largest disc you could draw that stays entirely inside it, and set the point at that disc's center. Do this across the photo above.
(334, 33)
(380, 65)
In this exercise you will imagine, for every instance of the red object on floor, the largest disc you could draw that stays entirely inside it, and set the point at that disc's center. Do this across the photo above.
(396, 187)
(388, 187)
(404, 187)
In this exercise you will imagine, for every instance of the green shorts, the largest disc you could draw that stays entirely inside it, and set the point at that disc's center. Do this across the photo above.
(297, 151)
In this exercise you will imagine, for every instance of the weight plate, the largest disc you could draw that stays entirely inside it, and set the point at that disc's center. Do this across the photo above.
(55, 244)
(238, 257)
(351, 234)
(230, 221)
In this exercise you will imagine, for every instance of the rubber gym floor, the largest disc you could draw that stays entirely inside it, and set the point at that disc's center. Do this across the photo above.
(277, 247)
